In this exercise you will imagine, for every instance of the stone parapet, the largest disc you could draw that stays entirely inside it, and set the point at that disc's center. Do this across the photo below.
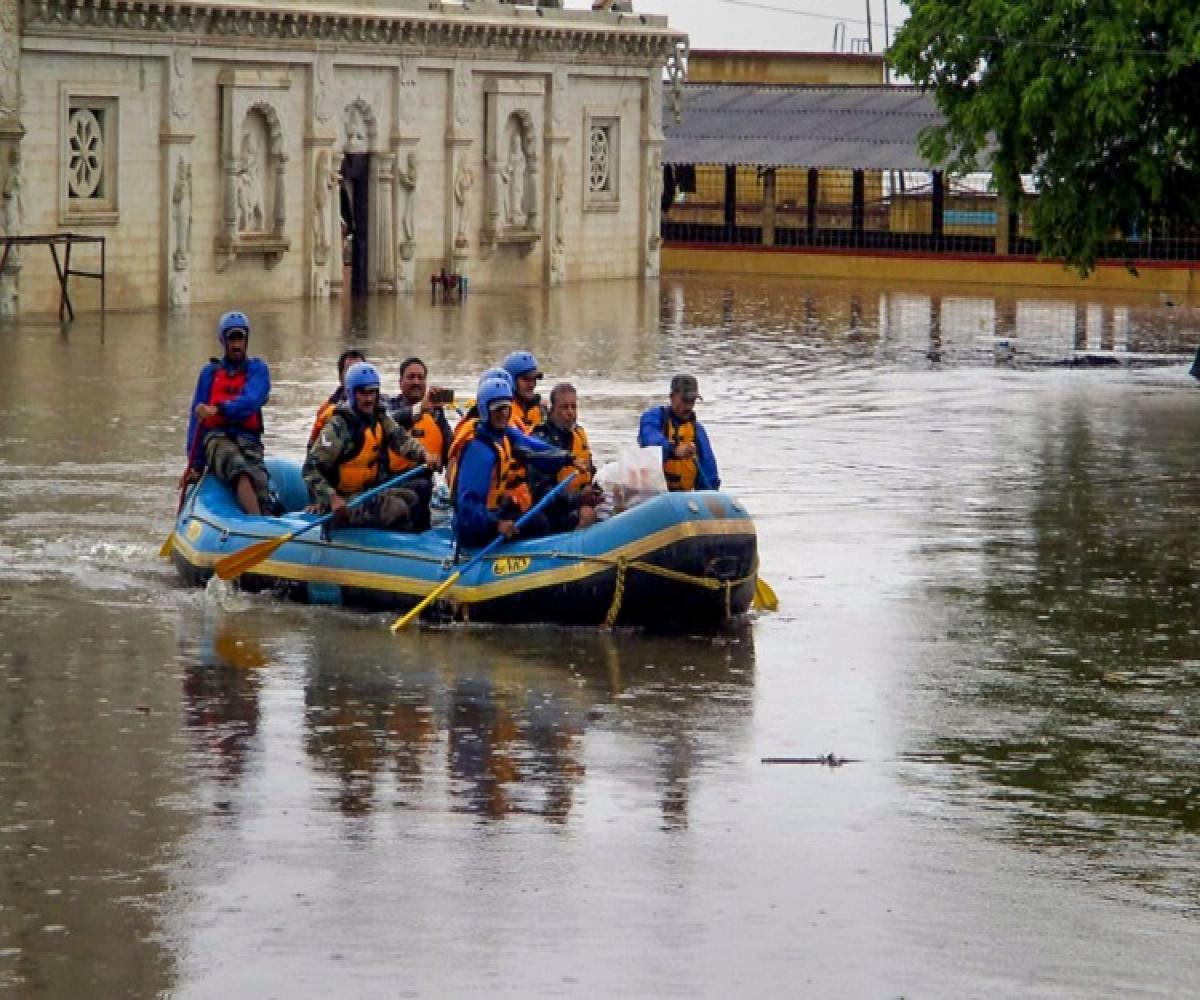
(494, 29)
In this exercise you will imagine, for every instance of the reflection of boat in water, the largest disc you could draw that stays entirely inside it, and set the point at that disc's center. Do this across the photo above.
(683, 559)
(467, 722)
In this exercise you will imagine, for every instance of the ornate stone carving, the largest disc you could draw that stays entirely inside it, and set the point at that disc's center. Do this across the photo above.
(181, 211)
(407, 180)
(322, 88)
(676, 61)
(406, 96)
(358, 127)
(181, 85)
(10, 58)
(558, 102)
(250, 215)
(370, 29)
(320, 211)
(513, 177)
(13, 199)
(558, 246)
(653, 212)
(464, 180)
(462, 98)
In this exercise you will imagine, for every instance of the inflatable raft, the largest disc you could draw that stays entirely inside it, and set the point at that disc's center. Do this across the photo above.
(677, 560)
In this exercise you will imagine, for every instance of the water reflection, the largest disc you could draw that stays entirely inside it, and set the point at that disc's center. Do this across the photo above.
(492, 730)
(221, 695)
(1078, 719)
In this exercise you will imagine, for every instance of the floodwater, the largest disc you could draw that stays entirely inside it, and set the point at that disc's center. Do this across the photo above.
(979, 515)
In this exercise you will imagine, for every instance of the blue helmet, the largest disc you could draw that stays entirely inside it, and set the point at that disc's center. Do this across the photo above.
(521, 363)
(492, 390)
(361, 376)
(495, 373)
(232, 321)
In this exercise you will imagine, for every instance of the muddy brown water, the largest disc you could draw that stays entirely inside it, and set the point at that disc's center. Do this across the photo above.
(979, 514)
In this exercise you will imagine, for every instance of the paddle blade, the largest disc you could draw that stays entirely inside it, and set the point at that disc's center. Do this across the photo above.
(764, 596)
(399, 624)
(249, 557)
(167, 547)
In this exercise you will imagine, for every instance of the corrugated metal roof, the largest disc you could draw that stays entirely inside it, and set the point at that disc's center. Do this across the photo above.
(850, 127)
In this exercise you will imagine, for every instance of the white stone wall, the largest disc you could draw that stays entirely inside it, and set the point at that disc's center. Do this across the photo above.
(431, 102)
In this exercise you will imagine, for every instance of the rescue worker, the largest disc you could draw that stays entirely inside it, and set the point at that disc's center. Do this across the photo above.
(225, 427)
(574, 507)
(688, 459)
(350, 456)
(348, 357)
(419, 410)
(527, 411)
(491, 489)
(465, 430)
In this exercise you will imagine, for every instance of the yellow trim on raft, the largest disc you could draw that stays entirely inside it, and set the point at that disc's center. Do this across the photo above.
(582, 566)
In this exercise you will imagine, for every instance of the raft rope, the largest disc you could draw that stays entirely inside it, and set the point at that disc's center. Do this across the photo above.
(624, 564)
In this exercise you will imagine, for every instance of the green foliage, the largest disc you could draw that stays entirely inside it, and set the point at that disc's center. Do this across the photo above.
(1098, 99)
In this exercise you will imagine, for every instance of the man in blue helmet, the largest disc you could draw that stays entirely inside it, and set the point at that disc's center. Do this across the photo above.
(491, 489)
(226, 425)
(688, 459)
(351, 455)
(527, 410)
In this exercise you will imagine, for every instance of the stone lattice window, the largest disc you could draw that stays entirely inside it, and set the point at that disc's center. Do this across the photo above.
(602, 181)
(88, 158)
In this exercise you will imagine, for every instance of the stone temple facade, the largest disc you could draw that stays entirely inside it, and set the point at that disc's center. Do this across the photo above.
(232, 151)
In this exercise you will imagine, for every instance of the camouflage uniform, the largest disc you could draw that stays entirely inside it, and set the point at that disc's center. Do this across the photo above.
(336, 444)
(229, 457)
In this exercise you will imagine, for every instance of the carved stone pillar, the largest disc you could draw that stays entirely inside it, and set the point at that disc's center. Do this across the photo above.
(404, 201)
(382, 177)
(11, 132)
(337, 249)
(280, 217)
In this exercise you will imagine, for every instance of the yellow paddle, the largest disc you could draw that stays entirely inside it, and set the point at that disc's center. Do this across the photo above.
(249, 557)
(764, 596)
(495, 543)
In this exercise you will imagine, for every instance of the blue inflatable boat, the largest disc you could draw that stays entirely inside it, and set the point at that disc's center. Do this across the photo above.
(677, 560)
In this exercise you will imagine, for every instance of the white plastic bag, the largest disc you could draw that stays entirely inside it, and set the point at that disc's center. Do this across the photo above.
(635, 477)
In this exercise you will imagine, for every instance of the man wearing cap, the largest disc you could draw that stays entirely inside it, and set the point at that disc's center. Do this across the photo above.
(688, 459)
(225, 427)
(527, 410)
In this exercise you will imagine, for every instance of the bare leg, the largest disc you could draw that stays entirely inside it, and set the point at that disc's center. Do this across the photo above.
(246, 497)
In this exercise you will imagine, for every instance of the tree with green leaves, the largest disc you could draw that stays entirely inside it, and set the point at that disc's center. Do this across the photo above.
(1098, 100)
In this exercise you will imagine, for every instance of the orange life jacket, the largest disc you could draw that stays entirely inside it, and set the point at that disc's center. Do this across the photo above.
(361, 470)
(526, 417)
(323, 415)
(680, 473)
(581, 451)
(225, 387)
(426, 430)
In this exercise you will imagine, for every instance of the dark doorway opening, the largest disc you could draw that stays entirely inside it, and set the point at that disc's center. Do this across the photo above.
(355, 174)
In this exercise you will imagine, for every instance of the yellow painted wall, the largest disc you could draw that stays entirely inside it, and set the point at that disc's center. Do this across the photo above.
(1181, 282)
(721, 66)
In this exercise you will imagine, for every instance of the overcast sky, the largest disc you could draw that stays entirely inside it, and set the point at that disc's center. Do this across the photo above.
(795, 25)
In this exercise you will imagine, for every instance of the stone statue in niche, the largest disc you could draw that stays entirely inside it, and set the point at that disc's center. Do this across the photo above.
(250, 188)
(13, 206)
(407, 179)
(464, 180)
(513, 176)
(356, 130)
(181, 205)
(320, 215)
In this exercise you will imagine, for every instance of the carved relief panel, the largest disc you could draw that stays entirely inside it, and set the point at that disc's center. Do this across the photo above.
(512, 143)
(253, 167)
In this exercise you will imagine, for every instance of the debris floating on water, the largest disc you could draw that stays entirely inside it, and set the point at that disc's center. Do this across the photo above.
(827, 760)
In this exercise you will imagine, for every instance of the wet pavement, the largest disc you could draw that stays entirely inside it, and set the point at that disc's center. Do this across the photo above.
(978, 513)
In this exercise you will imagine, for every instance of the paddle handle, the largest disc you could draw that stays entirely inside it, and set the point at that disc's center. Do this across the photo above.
(495, 543)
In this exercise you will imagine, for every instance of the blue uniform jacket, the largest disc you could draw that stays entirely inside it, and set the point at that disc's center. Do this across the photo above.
(650, 435)
(471, 515)
(253, 398)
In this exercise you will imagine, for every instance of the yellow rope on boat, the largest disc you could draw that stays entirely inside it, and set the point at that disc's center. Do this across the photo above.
(624, 565)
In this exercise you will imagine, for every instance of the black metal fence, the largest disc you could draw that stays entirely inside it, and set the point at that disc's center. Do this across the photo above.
(874, 210)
